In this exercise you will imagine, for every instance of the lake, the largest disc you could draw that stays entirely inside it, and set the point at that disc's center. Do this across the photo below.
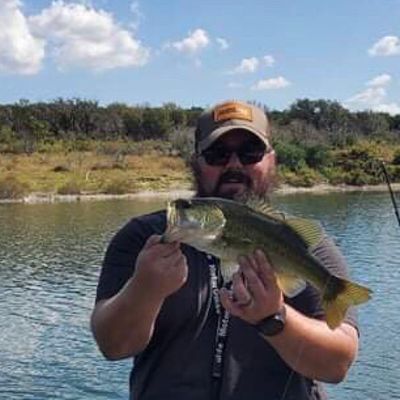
(50, 256)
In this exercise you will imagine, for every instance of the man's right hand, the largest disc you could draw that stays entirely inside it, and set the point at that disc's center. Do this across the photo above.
(123, 324)
(161, 268)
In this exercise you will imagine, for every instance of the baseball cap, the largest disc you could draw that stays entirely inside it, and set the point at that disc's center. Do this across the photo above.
(224, 117)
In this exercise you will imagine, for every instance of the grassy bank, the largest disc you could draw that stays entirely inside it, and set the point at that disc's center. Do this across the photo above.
(95, 167)
(88, 172)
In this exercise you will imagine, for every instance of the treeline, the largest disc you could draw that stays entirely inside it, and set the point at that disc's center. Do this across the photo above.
(311, 121)
(86, 119)
(316, 141)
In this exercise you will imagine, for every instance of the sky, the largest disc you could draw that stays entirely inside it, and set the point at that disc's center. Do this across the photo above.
(198, 53)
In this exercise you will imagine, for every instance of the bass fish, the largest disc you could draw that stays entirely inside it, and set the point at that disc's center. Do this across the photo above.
(228, 229)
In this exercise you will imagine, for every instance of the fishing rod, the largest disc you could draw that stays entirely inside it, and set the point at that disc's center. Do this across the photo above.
(392, 196)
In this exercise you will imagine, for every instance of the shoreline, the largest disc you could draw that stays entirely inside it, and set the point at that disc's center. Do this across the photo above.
(38, 198)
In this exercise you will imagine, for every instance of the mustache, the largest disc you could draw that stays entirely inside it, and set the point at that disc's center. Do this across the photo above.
(235, 175)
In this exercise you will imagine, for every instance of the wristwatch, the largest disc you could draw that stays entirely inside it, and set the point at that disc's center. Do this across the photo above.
(273, 324)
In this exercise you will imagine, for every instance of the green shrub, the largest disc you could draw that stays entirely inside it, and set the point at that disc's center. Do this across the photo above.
(290, 155)
(7, 136)
(396, 158)
(334, 175)
(359, 177)
(12, 188)
(17, 146)
(304, 177)
(318, 156)
(393, 172)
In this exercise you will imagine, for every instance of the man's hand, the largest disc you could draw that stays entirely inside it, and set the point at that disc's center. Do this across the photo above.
(161, 268)
(255, 291)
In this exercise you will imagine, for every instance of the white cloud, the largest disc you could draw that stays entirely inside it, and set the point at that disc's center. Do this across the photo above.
(20, 51)
(223, 43)
(387, 46)
(247, 65)
(390, 108)
(272, 83)
(84, 37)
(193, 43)
(374, 97)
(252, 64)
(380, 80)
(370, 96)
(269, 60)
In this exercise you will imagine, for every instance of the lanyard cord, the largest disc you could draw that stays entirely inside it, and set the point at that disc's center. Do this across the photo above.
(222, 325)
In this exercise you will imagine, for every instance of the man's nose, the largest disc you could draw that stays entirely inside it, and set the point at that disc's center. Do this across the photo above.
(234, 161)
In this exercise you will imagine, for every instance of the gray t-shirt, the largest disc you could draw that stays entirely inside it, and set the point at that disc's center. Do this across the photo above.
(177, 363)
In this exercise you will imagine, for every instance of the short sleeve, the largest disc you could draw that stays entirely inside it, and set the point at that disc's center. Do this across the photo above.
(122, 252)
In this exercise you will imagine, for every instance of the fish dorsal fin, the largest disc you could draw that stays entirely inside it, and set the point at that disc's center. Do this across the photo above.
(310, 231)
(263, 206)
(290, 284)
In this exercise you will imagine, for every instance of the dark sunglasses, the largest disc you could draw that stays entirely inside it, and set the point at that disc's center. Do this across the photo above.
(247, 154)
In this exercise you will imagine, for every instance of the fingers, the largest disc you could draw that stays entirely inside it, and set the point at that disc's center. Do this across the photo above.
(240, 293)
(175, 258)
(151, 241)
(162, 249)
(249, 268)
(266, 273)
(229, 304)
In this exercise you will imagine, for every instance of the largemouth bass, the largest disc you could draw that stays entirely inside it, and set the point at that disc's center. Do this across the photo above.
(228, 229)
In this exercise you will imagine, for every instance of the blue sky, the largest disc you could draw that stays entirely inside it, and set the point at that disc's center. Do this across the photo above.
(201, 52)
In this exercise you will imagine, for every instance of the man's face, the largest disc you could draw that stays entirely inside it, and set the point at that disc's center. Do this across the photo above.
(233, 175)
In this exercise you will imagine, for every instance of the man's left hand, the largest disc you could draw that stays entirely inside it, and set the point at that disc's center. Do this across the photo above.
(255, 292)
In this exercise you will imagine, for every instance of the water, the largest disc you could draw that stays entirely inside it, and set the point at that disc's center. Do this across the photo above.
(49, 265)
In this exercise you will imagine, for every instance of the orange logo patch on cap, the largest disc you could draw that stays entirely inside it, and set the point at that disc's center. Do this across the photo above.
(232, 111)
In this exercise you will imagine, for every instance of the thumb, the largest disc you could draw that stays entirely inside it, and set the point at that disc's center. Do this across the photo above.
(151, 241)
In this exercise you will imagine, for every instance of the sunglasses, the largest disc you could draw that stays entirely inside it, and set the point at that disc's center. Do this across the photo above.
(247, 154)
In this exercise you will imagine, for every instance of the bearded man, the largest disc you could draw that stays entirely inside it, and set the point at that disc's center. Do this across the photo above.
(164, 303)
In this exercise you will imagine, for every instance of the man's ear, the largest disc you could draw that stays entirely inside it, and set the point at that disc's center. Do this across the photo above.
(194, 162)
(273, 156)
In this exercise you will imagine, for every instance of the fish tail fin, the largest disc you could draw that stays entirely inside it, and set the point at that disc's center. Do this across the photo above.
(339, 295)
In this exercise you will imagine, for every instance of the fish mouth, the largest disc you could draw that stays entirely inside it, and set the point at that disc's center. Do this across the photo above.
(178, 225)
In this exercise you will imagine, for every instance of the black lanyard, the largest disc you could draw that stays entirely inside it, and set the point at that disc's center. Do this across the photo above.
(222, 326)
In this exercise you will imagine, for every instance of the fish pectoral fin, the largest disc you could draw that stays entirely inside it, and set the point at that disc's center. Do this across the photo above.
(290, 284)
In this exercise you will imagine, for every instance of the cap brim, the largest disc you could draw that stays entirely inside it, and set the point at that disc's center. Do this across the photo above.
(215, 135)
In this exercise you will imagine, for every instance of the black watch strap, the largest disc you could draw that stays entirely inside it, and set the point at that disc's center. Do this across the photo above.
(273, 324)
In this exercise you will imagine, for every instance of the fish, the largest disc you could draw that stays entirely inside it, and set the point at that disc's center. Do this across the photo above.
(229, 228)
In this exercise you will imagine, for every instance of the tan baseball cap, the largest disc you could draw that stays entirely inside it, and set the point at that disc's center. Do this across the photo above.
(224, 117)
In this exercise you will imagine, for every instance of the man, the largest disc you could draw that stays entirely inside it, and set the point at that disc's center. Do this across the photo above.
(192, 339)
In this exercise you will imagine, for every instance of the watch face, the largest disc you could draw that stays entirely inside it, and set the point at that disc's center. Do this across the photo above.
(273, 324)
(271, 327)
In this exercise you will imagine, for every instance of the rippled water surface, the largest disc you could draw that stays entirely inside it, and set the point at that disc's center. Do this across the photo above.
(49, 264)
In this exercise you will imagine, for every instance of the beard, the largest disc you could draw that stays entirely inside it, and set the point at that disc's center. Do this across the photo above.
(247, 188)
